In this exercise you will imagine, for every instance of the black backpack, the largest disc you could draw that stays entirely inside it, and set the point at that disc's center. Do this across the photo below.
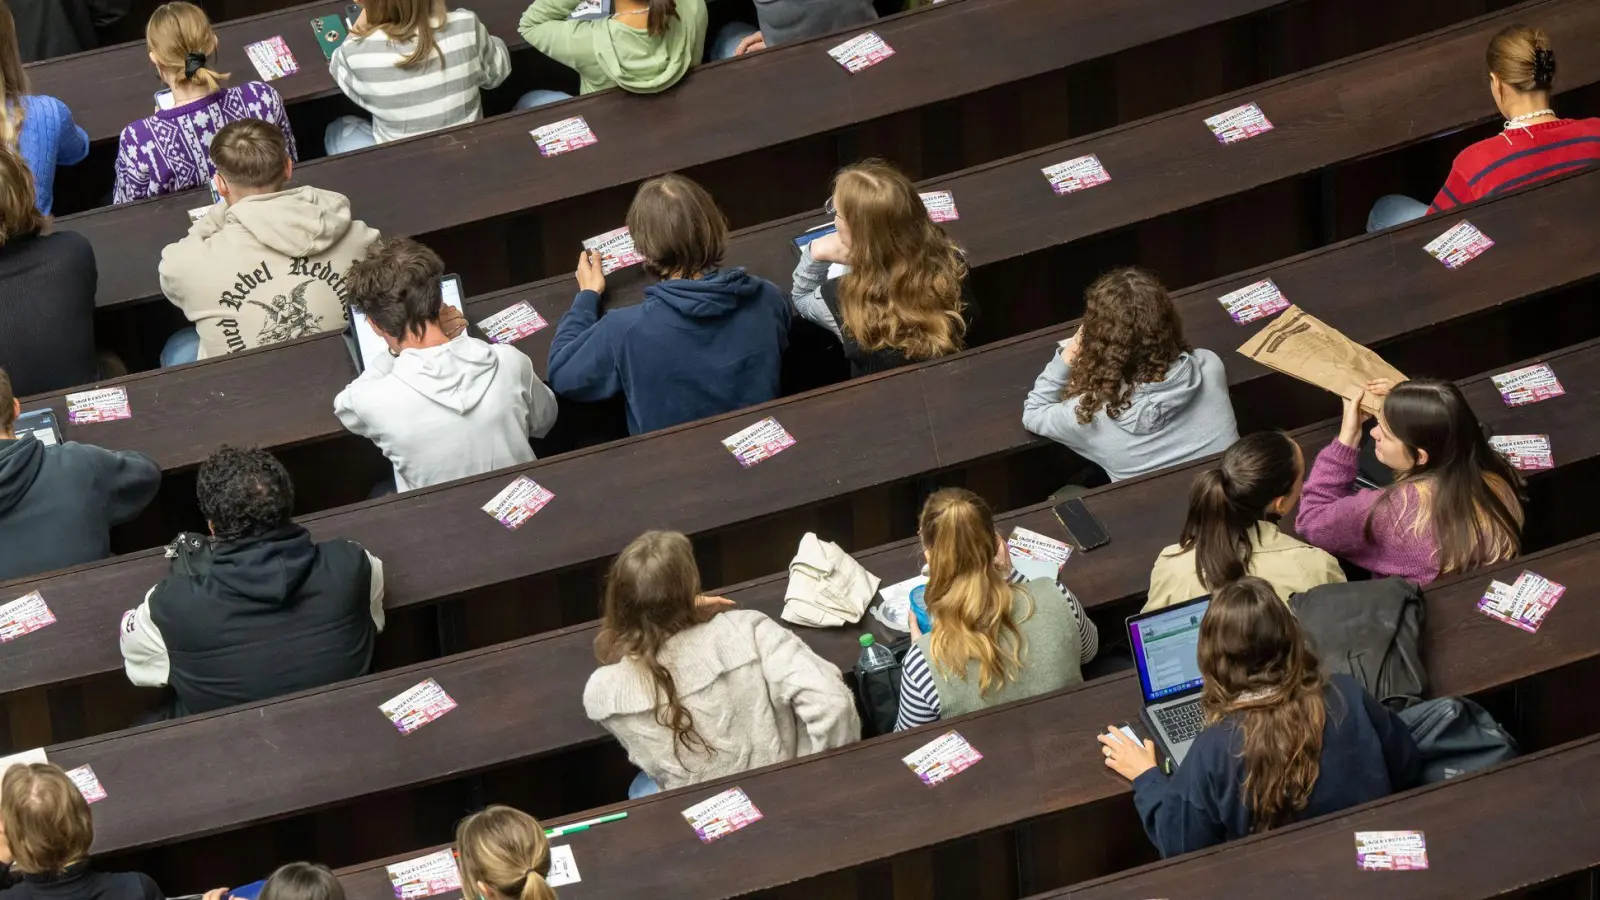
(1454, 736)
(878, 693)
(1370, 631)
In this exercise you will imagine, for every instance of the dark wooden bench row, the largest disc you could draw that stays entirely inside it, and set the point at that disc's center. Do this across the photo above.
(1504, 831)
(943, 414)
(273, 759)
(491, 169)
(1159, 165)
(859, 805)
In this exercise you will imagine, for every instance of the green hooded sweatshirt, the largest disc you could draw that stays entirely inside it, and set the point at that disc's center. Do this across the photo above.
(607, 53)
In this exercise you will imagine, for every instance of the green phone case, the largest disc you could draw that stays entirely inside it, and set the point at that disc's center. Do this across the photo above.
(331, 32)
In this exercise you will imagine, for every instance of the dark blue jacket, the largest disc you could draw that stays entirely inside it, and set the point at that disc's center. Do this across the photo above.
(694, 348)
(1367, 753)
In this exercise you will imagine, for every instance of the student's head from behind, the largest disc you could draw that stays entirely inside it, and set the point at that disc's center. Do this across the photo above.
(407, 22)
(969, 593)
(244, 493)
(251, 157)
(47, 821)
(1522, 69)
(1428, 434)
(10, 406)
(396, 285)
(302, 881)
(1131, 335)
(1257, 478)
(181, 42)
(504, 856)
(650, 596)
(13, 78)
(677, 228)
(1258, 669)
(903, 290)
(19, 217)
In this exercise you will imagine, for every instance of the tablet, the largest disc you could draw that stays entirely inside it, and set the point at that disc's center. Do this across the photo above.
(364, 343)
(41, 423)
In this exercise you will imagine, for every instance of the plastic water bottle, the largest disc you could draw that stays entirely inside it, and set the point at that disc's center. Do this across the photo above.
(875, 657)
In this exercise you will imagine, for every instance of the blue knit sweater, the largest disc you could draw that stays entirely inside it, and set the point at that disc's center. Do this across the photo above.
(49, 138)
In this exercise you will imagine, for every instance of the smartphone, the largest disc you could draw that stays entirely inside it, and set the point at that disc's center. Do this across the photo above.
(1083, 529)
(351, 14)
(164, 98)
(331, 32)
(41, 423)
(814, 233)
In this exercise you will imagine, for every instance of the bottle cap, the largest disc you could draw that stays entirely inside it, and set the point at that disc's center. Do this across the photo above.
(866, 640)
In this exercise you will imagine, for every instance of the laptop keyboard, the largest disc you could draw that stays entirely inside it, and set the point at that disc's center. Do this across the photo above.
(1181, 723)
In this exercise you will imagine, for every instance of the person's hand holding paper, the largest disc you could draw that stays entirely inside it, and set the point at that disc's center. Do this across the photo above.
(1303, 346)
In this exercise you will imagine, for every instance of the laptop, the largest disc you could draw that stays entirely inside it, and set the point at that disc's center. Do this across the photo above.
(1166, 650)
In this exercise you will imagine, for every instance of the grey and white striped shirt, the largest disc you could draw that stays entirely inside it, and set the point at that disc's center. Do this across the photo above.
(431, 95)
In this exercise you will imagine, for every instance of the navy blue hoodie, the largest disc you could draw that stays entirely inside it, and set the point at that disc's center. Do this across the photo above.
(694, 348)
(57, 504)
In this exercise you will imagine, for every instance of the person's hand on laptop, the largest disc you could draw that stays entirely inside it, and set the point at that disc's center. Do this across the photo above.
(1126, 758)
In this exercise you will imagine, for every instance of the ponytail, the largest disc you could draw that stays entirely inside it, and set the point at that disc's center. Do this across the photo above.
(661, 14)
(969, 596)
(1227, 503)
(180, 38)
(505, 850)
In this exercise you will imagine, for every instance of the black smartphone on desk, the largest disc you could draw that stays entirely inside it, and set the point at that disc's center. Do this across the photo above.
(1083, 529)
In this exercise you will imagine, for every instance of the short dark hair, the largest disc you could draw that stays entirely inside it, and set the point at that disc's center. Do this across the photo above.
(302, 881)
(677, 227)
(250, 153)
(397, 286)
(8, 403)
(244, 492)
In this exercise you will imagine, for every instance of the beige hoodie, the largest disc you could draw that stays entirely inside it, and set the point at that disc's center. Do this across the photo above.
(269, 268)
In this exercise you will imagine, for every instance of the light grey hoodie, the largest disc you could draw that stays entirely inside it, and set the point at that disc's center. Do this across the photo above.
(1183, 417)
(452, 411)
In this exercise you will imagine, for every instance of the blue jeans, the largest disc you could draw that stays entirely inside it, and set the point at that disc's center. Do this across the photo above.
(540, 98)
(643, 786)
(182, 347)
(727, 40)
(347, 133)
(1392, 210)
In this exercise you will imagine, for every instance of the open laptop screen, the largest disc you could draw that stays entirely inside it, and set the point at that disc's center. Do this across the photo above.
(1166, 647)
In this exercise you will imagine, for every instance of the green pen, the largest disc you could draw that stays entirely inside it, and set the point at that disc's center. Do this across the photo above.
(585, 825)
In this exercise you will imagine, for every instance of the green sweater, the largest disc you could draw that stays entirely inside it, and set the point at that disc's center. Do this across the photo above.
(607, 53)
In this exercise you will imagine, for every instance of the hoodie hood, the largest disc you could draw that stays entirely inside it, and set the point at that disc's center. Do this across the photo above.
(268, 569)
(645, 65)
(709, 297)
(1155, 405)
(456, 375)
(20, 461)
(301, 221)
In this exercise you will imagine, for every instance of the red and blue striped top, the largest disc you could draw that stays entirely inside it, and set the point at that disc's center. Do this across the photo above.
(1519, 156)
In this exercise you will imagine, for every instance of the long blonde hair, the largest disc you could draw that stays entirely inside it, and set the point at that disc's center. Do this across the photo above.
(903, 290)
(47, 821)
(506, 850)
(176, 31)
(405, 21)
(13, 79)
(969, 596)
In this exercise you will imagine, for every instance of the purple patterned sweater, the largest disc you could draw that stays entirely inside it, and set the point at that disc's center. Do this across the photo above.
(170, 151)
(1334, 517)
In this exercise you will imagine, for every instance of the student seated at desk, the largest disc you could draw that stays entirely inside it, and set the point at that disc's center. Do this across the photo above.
(903, 294)
(1534, 145)
(1126, 391)
(705, 341)
(47, 280)
(1454, 503)
(167, 152)
(51, 28)
(255, 609)
(294, 881)
(644, 46)
(45, 844)
(503, 855)
(40, 127)
(1232, 527)
(57, 504)
(695, 690)
(1282, 742)
(265, 265)
(415, 67)
(789, 22)
(444, 404)
(995, 638)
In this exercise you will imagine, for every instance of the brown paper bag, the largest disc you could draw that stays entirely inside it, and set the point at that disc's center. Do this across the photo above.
(1303, 346)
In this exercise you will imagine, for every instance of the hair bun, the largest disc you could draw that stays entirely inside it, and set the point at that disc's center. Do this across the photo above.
(1544, 67)
(192, 63)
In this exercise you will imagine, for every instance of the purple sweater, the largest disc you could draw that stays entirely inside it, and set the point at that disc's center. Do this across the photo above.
(1333, 516)
(171, 150)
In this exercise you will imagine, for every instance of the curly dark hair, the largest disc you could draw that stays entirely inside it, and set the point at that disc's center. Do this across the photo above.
(244, 492)
(1131, 335)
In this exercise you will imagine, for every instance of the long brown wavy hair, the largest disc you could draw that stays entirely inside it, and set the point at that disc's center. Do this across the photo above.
(650, 596)
(1260, 673)
(1131, 335)
(969, 596)
(903, 290)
